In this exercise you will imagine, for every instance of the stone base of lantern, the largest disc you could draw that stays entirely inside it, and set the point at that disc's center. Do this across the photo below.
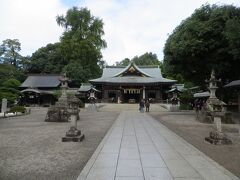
(73, 135)
(217, 138)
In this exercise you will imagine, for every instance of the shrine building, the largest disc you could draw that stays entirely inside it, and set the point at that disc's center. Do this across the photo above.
(132, 83)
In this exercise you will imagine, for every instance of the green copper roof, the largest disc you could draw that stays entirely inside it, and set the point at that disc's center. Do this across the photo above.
(149, 75)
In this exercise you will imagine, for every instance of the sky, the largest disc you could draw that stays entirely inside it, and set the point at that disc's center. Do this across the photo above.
(132, 27)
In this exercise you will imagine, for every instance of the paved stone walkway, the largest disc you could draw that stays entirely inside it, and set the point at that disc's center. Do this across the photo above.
(137, 147)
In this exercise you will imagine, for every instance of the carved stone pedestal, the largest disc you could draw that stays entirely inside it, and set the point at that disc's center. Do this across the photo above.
(217, 138)
(73, 135)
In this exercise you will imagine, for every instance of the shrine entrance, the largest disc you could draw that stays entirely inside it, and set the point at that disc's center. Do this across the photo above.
(131, 95)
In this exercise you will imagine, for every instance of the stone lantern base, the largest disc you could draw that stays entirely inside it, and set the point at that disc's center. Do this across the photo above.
(217, 138)
(73, 135)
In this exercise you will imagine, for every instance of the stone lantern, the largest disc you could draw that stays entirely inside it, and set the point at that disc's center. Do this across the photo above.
(215, 105)
(216, 110)
(92, 97)
(73, 134)
(59, 112)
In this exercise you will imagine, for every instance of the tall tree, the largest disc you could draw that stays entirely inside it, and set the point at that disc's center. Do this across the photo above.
(48, 59)
(9, 90)
(10, 51)
(77, 74)
(8, 71)
(146, 59)
(82, 41)
(124, 62)
(102, 64)
(209, 39)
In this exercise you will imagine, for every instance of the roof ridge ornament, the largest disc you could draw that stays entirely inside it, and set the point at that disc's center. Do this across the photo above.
(131, 68)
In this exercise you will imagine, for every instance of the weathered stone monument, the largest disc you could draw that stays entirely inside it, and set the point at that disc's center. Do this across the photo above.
(215, 109)
(213, 103)
(92, 107)
(175, 101)
(59, 112)
(218, 124)
(4, 106)
(73, 134)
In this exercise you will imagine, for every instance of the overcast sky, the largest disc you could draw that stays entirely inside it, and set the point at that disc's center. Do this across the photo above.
(132, 27)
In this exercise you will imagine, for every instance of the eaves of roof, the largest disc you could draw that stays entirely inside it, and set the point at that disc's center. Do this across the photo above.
(132, 80)
(235, 83)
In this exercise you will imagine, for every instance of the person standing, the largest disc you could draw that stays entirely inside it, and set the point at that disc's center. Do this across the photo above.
(147, 105)
(141, 106)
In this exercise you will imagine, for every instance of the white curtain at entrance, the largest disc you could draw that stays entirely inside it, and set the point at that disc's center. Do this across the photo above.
(131, 91)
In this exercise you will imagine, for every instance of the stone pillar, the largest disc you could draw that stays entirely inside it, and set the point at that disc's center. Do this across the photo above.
(218, 124)
(4, 105)
(157, 94)
(73, 118)
(239, 102)
(160, 95)
(73, 134)
(105, 94)
(144, 93)
(119, 95)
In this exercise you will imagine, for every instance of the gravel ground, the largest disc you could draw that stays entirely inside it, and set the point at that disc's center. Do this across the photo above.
(32, 149)
(194, 132)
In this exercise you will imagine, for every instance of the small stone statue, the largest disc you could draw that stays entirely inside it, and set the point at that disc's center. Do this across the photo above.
(73, 134)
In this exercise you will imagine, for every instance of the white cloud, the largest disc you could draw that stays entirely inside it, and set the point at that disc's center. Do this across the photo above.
(138, 26)
(132, 27)
(31, 21)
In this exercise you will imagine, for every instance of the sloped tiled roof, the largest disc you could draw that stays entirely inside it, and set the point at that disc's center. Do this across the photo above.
(37, 91)
(87, 87)
(133, 80)
(151, 75)
(233, 84)
(201, 94)
(113, 71)
(41, 80)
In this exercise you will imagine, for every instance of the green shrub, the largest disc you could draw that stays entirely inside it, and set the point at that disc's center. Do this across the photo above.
(81, 104)
(9, 90)
(9, 95)
(184, 107)
(57, 93)
(186, 97)
(18, 109)
(11, 83)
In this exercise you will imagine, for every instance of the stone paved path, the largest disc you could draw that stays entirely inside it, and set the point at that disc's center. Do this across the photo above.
(137, 147)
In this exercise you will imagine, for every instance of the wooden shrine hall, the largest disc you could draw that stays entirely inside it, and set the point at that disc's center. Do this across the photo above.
(132, 83)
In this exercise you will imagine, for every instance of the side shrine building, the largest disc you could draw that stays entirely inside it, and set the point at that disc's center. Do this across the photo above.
(39, 89)
(132, 83)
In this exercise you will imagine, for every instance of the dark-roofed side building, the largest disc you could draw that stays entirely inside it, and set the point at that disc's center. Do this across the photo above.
(83, 93)
(235, 85)
(132, 83)
(39, 89)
